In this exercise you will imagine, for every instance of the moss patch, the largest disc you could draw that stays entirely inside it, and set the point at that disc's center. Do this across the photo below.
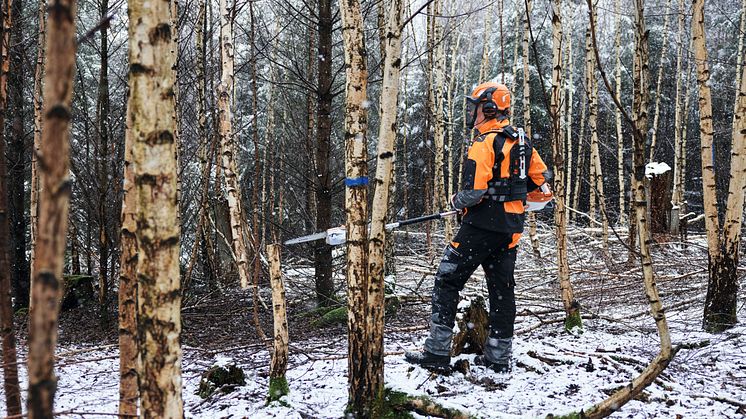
(573, 323)
(573, 415)
(334, 316)
(278, 387)
(223, 378)
(396, 404)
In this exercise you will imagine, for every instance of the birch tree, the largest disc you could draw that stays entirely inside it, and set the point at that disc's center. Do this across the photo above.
(362, 392)
(151, 109)
(38, 93)
(639, 122)
(722, 241)
(618, 112)
(597, 196)
(677, 196)
(128, 348)
(384, 172)
(572, 308)
(54, 167)
(228, 144)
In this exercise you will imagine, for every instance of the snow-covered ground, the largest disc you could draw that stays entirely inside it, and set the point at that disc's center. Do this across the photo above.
(553, 372)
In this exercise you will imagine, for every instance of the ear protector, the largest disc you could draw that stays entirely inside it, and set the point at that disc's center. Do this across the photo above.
(489, 107)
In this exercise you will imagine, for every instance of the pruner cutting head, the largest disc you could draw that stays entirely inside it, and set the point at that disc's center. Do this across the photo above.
(538, 199)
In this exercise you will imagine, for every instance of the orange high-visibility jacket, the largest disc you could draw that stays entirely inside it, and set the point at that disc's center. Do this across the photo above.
(492, 196)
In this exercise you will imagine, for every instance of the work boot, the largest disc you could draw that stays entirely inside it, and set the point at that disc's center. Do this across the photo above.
(428, 360)
(499, 368)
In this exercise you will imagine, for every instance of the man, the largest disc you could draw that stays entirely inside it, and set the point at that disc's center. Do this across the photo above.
(501, 168)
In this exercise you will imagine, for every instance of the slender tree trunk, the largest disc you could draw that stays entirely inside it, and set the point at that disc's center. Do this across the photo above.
(205, 151)
(362, 392)
(322, 251)
(384, 173)
(739, 59)
(570, 84)
(254, 234)
(278, 385)
(582, 155)
(154, 169)
(38, 93)
(572, 308)
(439, 133)
(10, 366)
(712, 224)
(450, 146)
(618, 114)
(102, 161)
(527, 118)
(74, 252)
(16, 155)
(664, 52)
(128, 344)
(640, 118)
(54, 163)
(228, 145)
(677, 196)
(597, 177)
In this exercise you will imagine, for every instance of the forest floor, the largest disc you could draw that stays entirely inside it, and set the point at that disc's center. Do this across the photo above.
(553, 372)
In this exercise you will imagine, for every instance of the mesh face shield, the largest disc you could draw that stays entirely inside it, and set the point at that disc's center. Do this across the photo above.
(471, 111)
(472, 106)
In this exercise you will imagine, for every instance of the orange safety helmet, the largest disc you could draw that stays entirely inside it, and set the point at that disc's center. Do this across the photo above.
(492, 96)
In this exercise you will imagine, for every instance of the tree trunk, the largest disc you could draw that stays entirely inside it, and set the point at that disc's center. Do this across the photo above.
(128, 345)
(255, 226)
(102, 163)
(597, 178)
(322, 251)
(439, 134)
(722, 290)
(205, 150)
(664, 52)
(739, 59)
(659, 363)
(618, 114)
(54, 202)
(572, 308)
(362, 393)
(154, 170)
(582, 154)
(16, 155)
(10, 366)
(384, 171)
(527, 118)
(278, 385)
(38, 93)
(570, 85)
(677, 195)
(228, 145)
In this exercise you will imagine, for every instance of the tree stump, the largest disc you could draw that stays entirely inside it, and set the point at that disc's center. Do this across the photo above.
(224, 376)
(473, 324)
(660, 197)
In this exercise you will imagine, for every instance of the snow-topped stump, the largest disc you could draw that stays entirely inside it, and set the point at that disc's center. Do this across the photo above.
(224, 376)
(659, 175)
(473, 326)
